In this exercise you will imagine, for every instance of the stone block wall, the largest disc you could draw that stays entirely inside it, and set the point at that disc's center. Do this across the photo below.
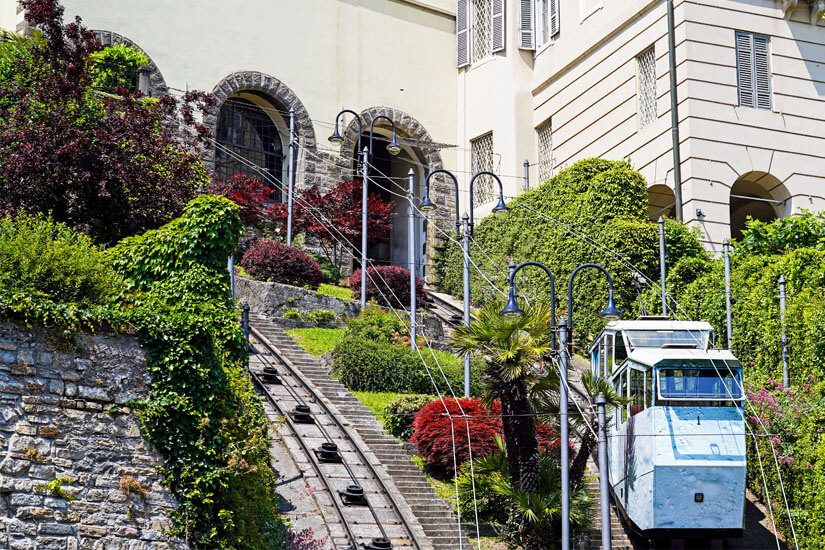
(65, 415)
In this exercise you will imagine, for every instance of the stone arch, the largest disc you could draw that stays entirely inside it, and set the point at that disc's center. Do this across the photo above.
(157, 84)
(661, 201)
(285, 99)
(414, 138)
(757, 195)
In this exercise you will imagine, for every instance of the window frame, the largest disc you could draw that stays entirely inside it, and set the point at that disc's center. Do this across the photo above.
(640, 89)
(752, 55)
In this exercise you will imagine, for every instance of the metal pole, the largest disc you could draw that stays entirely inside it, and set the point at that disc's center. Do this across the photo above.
(364, 200)
(245, 321)
(411, 251)
(291, 188)
(662, 265)
(674, 112)
(728, 314)
(230, 265)
(465, 227)
(604, 480)
(526, 175)
(786, 377)
(565, 438)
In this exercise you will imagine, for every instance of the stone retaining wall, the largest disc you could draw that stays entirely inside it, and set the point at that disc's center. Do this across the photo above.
(273, 299)
(65, 414)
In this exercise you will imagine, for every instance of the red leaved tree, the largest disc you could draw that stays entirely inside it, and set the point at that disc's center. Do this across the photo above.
(108, 165)
(248, 193)
(334, 219)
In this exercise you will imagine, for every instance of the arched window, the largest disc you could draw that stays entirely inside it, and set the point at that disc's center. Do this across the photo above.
(245, 130)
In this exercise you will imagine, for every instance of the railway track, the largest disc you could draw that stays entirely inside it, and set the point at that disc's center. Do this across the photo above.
(365, 507)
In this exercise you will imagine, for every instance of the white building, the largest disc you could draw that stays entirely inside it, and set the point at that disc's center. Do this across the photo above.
(556, 81)
(549, 82)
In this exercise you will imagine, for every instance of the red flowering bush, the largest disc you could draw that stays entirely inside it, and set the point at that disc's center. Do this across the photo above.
(433, 432)
(268, 260)
(389, 285)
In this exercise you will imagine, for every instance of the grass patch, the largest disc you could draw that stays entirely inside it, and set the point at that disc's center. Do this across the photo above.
(341, 292)
(375, 401)
(316, 341)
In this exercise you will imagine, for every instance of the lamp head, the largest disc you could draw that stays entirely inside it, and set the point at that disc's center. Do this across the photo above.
(336, 138)
(500, 208)
(393, 148)
(611, 312)
(427, 205)
(512, 309)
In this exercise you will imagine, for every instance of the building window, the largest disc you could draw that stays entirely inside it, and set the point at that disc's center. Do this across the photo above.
(249, 144)
(646, 64)
(482, 13)
(753, 71)
(481, 152)
(588, 7)
(545, 138)
(547, 21)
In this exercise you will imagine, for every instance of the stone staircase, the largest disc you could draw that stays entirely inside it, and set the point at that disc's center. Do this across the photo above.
(619, 537)
(436, 517)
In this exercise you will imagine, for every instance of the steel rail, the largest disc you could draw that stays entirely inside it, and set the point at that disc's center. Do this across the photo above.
(319, 400)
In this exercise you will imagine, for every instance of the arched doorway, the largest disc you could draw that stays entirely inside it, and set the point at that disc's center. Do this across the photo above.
(248, 136)
(660, 202)
(752, 196)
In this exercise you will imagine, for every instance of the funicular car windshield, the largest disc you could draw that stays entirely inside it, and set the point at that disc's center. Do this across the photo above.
(663, 338)
(698, 381)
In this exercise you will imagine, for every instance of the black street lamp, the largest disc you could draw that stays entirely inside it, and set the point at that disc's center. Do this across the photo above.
(393, 148)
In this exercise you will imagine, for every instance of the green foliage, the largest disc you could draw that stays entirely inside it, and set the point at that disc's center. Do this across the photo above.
(400, 413)
(339, 292)
(55, 488)
(204, 416)
(364, 364)
(116, 67)
(316, 341)
(318, 316)
(805, 230)
(376, 324)
(15, 54)
(593, 212)
(292, 314)
(332, 275)
(45, 259)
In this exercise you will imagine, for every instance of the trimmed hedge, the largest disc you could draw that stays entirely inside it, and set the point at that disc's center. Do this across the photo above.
(389, 285)
(401, 413)
(593, 212)
(362, 364)
(268, 260)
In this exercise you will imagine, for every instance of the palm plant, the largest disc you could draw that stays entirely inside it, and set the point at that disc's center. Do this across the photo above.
(511, 347)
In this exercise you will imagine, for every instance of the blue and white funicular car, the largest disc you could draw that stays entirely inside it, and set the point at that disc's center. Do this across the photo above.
(677, 451)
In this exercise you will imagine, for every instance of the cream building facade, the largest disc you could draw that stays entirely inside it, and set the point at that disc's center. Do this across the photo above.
(590, 78)
(262, 58)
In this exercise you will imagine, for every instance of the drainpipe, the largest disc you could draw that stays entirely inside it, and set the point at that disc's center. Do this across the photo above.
(674, 112)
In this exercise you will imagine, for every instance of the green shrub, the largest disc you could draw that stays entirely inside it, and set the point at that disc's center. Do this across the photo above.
(492, 506)
(593, 212)
(364, 364)
(320, 316)
(291, 314)
(376, 324)
(42, 258)
(401, 413)
(116, 67)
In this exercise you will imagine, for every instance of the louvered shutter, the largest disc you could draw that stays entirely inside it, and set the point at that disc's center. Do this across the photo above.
(526, 25)
(498, 25)
(744, 69)
(462, 33)
(554, 17)
(762, 72)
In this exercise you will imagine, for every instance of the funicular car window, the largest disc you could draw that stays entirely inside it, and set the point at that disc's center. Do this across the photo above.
(661, 338)
(691, 382)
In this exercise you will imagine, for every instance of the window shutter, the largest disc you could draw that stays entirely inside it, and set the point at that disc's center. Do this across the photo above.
(554, 18)
(762, 72)
(744, 69)
(526, 26)
(498, 25)
(462, 33)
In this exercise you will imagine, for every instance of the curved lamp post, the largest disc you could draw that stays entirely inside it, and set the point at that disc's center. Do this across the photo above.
(464, 228)
(611, 312)
(393, 148)
(512, 308)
